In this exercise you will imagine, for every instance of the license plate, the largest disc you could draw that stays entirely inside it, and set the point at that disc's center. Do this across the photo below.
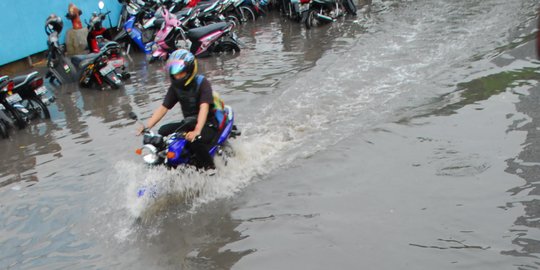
(66, 68)
(304, 7)
(107, 69)
(117, 62)
(41, 91)
(14, 98)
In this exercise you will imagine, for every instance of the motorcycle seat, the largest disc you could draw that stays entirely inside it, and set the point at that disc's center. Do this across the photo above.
(182, 13)
(4, 78)
(24, 79)
(326, 2)
(78, 60)
(197, 33)
(159, 21)
(203, 6)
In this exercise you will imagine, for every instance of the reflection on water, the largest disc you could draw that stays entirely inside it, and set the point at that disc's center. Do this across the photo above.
(480, 89)
(56, 223)
(526, 165)
(72, 154)
(192, 241)
(20, 153)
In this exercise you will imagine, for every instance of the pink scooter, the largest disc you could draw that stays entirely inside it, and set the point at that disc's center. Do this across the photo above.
(201, 41)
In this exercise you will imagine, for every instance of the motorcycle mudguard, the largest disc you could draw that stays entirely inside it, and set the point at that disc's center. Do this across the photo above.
(64, 71)
(159, 54)
(177, 147)
(112, 79)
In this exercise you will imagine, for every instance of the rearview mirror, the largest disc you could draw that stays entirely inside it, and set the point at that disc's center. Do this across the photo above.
(101, 5)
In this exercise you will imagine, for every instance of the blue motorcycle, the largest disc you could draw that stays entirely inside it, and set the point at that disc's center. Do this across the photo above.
(140, 26)
(171, 150)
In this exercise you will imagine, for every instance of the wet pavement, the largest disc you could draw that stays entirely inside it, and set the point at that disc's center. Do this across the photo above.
(404, 138)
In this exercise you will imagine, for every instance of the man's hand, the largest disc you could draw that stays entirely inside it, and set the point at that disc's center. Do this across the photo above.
(140, 130)
(190, 136)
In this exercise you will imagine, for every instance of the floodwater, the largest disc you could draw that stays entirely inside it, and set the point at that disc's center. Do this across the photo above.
(404, 138)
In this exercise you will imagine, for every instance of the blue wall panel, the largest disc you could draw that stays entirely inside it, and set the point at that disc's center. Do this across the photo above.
(23, 31)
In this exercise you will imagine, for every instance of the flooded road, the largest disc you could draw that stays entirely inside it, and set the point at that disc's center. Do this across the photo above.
(404, 138)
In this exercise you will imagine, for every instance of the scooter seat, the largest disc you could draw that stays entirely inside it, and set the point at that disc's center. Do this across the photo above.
(78, 60)
(24, 79)
(202, 6)
(182, 13)
(159, 21)
(199, 32)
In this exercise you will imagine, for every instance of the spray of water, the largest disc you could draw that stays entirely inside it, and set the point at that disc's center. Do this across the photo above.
(345, 92)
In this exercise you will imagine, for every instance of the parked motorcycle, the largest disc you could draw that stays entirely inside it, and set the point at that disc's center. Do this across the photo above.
(60, 69)
(86, 69)
(217, 11)
(140, 25)
(201, 41)
(35, 96)
(13, 112)
(97, 34)
(291, 9)
(315, 12)
(107, 66)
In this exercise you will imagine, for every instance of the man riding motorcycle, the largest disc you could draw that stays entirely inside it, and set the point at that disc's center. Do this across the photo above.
(194, 93)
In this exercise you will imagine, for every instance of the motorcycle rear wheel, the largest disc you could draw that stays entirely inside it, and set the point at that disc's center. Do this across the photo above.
(20, 122)
(36, 106)
(3, 129)
(247, 14)
(350, 7)
(233, 19)
(109, 79)
(312, 20)
(227, 46)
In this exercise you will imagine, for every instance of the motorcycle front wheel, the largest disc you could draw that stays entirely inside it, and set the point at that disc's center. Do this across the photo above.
(311, 19)
(350, 7)
(247, 14)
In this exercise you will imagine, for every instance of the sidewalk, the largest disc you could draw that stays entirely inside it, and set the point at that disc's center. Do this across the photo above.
(23, 66)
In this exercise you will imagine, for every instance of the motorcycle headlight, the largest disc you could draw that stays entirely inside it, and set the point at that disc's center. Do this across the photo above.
(149, 154)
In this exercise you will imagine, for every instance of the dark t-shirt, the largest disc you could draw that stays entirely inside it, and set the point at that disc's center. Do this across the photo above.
(205, 91)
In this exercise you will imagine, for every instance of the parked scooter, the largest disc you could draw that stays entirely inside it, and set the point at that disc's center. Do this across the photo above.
(315, 12)
(88, 69)
(97, 34)
(60, 69)
(140, 25)
(105, 67)
(12, 111)
(35, 96)
(201, 41)
(28, 96)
